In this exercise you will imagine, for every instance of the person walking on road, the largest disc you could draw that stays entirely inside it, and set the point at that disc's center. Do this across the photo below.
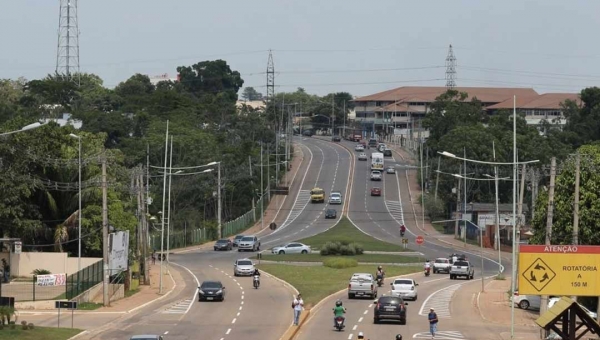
(154, 257)
(297, 305)
(433, 321)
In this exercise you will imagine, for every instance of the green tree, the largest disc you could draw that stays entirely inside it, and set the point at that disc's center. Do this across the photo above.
(251, 94)
(211, 78)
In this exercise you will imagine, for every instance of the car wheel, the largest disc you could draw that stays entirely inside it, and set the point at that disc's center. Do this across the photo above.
(375, 320)
(281, 252)
(524, 304)
(305, 252)
(403, 322)
(451, 277)
(239, 250)
(435, 271)
(415, 299)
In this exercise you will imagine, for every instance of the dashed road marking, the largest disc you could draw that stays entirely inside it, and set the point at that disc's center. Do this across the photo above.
(360, 319)
(355, 327)
(299, 205)
(350, 336)
(180, 307)
(441, 335)
(228, 331)
(234, 319)
(440, 301)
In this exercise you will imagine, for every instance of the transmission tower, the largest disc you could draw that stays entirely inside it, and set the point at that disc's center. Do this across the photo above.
(270, 78)
(67, 54)
(450, 69)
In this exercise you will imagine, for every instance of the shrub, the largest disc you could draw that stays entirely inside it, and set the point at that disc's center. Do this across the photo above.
(12, 326)
(341, 248)
(31, 325)
(340, 262)
(24, 325)
(41, 272)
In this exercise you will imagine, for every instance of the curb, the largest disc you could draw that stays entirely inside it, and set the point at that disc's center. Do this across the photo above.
(478, 308)
(317, 263)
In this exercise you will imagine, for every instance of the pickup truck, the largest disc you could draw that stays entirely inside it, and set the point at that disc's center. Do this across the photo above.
(441, 265)
(462, 268)
(362, 284)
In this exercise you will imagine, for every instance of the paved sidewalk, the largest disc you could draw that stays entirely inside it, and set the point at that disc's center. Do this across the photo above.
(427, 228)
(494, 306)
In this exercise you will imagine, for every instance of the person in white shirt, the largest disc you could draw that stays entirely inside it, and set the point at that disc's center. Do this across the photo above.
(298, 304)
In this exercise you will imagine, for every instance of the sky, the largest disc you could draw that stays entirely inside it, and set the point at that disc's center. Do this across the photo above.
(361, 47)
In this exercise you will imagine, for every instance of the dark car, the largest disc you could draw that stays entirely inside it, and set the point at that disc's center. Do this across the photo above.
(336, 139)
(211, 290)
(330, 213)
(387, 153)
(390, 308)
(375, 192)
(224, 244)
(307, 133)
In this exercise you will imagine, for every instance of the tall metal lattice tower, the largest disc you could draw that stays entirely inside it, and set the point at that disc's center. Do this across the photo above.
(450, 69)
(67, 53)
(270, 78)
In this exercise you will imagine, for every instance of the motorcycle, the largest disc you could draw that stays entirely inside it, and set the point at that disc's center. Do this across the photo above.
(401, 233)
(379, 281)
(427, 270)
(339, 323)
(256, 281)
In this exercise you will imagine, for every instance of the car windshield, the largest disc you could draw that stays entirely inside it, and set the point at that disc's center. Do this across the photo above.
(335, 194)
(223, 241)
(461, 263)
(330, 211)
(403, 282)
(248, 238)
(244, 263)
(239, 237)
(206, 285)
(441, 261)
(389, 301)
(316, 192)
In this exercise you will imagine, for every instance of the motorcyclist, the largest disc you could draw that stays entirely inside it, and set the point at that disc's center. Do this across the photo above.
(398, 336)
(402, 229)
(256, 272)
(427, 266)
(380, 274)
(338, 312)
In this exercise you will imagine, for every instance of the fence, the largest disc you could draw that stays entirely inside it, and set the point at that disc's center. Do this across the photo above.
(27, 289)
(182, 239)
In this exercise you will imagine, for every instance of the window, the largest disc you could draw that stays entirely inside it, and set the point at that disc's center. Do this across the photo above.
(403, 282)
(244, 263)
(248, 238)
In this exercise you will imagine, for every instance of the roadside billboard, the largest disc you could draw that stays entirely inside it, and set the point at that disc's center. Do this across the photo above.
(118, 251)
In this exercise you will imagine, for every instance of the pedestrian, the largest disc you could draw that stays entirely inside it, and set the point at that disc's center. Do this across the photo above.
(433, 321)
(154, 257)
(297, 305)
(6, 270)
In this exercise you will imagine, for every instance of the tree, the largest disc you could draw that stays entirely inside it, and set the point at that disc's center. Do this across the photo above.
(564, 192)
(250, 94)
(583, 123)
(210, 78)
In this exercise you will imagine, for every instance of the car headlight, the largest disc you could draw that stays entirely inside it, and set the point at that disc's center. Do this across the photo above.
(201, 291)
(219, 291)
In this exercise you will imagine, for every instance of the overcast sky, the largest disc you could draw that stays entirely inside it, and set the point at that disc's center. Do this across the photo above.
(322, 45)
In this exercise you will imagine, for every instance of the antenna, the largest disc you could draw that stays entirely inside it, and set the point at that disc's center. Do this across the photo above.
(67, 53)
(450, 69)
(270, 78)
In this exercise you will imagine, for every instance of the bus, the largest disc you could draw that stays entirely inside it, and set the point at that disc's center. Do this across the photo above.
(377, 161)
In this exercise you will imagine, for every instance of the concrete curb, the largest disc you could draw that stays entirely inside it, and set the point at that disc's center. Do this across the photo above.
(478, 308)
(317, 263)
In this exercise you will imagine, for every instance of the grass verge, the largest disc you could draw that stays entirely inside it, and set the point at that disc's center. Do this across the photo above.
(344, 231)
(88, 306)
(46, 333)
(371, 258)
(317, 282)
(131, 292)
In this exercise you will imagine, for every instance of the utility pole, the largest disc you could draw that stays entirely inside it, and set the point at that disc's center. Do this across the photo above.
(147, 208)
(252, 179)
(576, 203)
(144, 230)
(456, 222)
(162, 217)
(219, 203)
(105, 299)
(519, 214)
(269, 172)
(262, 190)
(344, 120)
(497, 242)
(465, 192)
(169, 200)
(437, 178)
(140, 227)
(550, 215)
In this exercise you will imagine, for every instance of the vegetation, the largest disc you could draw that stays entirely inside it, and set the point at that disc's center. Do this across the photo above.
(40, 166)
(372, 258)
(46, 333)
(90, 305)
(340, 262)
(341, 248)
(317, 282)
(40, 272)
(345, 233)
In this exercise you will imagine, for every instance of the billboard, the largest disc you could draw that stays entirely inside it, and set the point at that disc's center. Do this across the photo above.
(118, 251)
(505, 219)
(51, 280)
(559, 270)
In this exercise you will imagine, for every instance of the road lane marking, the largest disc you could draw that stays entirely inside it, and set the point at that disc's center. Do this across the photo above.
(371, 305)
(350, 336)
(355, 327)
(440, 301)
(167, 332)
(228, 331)
(441, 335)
(361, 319)
(238, 314)
(365, 313)
(233, 320)
(240, 307)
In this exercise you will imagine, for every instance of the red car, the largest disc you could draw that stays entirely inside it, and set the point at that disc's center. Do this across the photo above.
(375, 192)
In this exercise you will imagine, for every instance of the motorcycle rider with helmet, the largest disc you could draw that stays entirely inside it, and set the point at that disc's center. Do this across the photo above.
(398, 336)
(256, 273)
(427, 266)
(402, 230)
(338, 312)
(380, 274)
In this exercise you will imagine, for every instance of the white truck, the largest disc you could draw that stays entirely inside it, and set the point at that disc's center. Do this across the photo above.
(377, 161)
(441, 265)
(362, 284)
(462, 268)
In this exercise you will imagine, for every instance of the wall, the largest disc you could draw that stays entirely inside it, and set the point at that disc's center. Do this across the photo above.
(26, 262)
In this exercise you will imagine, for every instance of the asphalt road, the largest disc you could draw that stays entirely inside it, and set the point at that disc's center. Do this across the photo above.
(250, 313)
(381, 218)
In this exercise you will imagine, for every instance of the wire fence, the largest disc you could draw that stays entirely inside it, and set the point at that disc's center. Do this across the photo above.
(83, 280)
(196, 236)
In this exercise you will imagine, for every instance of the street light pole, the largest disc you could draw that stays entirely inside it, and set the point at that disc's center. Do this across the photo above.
(514, 221)
(169, 201)
(219, 200)
(79, 210)
(162, 229)
(465, 194)
(262, 190)
(497, 211)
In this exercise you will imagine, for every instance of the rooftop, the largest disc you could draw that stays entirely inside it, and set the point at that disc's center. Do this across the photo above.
(543, 101)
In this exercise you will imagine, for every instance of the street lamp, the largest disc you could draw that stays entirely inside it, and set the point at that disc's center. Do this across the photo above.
(219, 232)
(25, 128)
(79, 210)
(451, 155)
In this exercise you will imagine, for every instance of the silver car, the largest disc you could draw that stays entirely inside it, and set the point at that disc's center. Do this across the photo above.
(335, 197)
(237, 239)
(376, 175)
(251, 243)
(243, 267)
(291, 248)
(390, 170)
(362, 157)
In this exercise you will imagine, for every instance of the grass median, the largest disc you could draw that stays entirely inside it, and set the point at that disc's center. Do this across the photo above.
(317, 282)
(370, 258)
(345, 231)
(46, 333)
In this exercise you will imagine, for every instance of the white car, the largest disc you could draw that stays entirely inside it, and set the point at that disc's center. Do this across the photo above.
(362, 157)
(441, 265)
(359, 148)
(526, 301)
(335, 197)
(376, 175)
(405, 288)
(243, 267)
(390, 170)
(554, 300)
(291, 248)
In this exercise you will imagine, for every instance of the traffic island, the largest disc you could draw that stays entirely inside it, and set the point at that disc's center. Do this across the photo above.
(46, 333)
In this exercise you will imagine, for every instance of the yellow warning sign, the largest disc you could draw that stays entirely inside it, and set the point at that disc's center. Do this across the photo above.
(539, 274)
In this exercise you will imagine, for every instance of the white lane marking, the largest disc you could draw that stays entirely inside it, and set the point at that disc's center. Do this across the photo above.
(210, 265)
(440, 301)
(371, 305)
(238, 314)
(360, 319)
(350, 336)
(181, 307)
(234, 319)
(167, 332)
(228, 331)
(365, 313)
(197, 284)
(242, 301)
(233, 279)
(442, 335)
(240, 307)
(355, 327)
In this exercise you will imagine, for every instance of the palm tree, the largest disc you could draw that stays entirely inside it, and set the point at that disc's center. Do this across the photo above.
(61, 234)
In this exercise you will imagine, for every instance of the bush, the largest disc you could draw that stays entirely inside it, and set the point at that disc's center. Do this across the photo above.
(24, 325)
(41, 272)
(342, 248)
(31, 325)
(340, 262)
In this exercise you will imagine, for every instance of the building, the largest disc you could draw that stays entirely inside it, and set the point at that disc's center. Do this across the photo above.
(66, 119)
(162, 77)
(400, 111)
(253, 104)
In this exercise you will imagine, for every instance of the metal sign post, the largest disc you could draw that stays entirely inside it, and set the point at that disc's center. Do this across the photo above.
(72, 305)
